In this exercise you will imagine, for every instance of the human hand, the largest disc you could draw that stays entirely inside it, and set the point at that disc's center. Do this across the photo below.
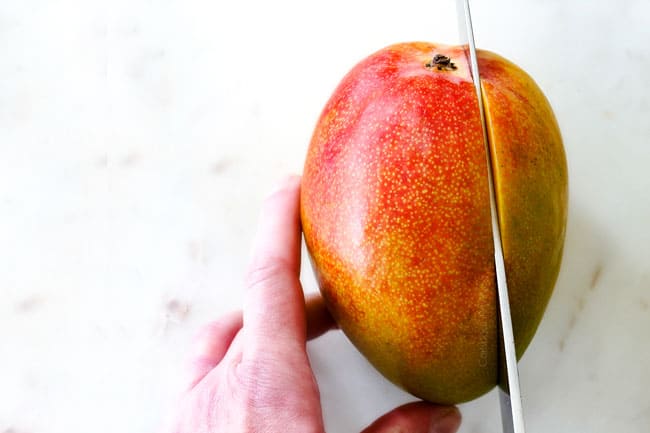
(251, 372)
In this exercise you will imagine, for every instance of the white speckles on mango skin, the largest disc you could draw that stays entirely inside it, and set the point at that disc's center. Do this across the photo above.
(395, 211)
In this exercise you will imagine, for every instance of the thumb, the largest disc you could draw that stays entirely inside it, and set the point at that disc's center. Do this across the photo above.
(418, 417)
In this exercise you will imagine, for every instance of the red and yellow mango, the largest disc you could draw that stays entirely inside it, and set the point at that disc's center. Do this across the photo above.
(396, 215)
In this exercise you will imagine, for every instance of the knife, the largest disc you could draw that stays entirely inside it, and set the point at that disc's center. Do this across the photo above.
(512, 416)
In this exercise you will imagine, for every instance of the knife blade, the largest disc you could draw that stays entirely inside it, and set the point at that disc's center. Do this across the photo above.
(512, 417)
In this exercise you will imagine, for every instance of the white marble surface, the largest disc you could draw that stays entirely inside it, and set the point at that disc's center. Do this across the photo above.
(137, 139)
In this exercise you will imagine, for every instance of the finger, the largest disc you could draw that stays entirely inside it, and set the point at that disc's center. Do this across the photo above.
(219, 338)
(319, 319)
(211, 344)
(274, 309)
(418, 417)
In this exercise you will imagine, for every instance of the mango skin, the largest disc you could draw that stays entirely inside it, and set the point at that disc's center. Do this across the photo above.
(396, 218)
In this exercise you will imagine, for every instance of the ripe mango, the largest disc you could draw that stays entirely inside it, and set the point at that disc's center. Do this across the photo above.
(396, 216)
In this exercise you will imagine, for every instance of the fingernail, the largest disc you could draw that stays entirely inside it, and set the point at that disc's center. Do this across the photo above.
(446, 422)
(285, 183)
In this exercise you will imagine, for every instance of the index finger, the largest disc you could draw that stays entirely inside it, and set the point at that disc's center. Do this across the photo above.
(274, 307)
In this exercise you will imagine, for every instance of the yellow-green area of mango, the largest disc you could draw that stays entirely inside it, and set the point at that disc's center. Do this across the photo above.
(531, 183)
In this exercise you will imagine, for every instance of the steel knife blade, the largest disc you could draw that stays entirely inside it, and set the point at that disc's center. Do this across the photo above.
(510, 398)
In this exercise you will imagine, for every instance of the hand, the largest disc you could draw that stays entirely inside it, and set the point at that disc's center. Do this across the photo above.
(251, 373)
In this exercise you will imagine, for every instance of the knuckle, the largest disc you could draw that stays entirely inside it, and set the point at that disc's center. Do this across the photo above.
(254, 385)
(269, 397)
(268, 272)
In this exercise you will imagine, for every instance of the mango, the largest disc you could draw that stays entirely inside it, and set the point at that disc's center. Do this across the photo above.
(396, 216)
